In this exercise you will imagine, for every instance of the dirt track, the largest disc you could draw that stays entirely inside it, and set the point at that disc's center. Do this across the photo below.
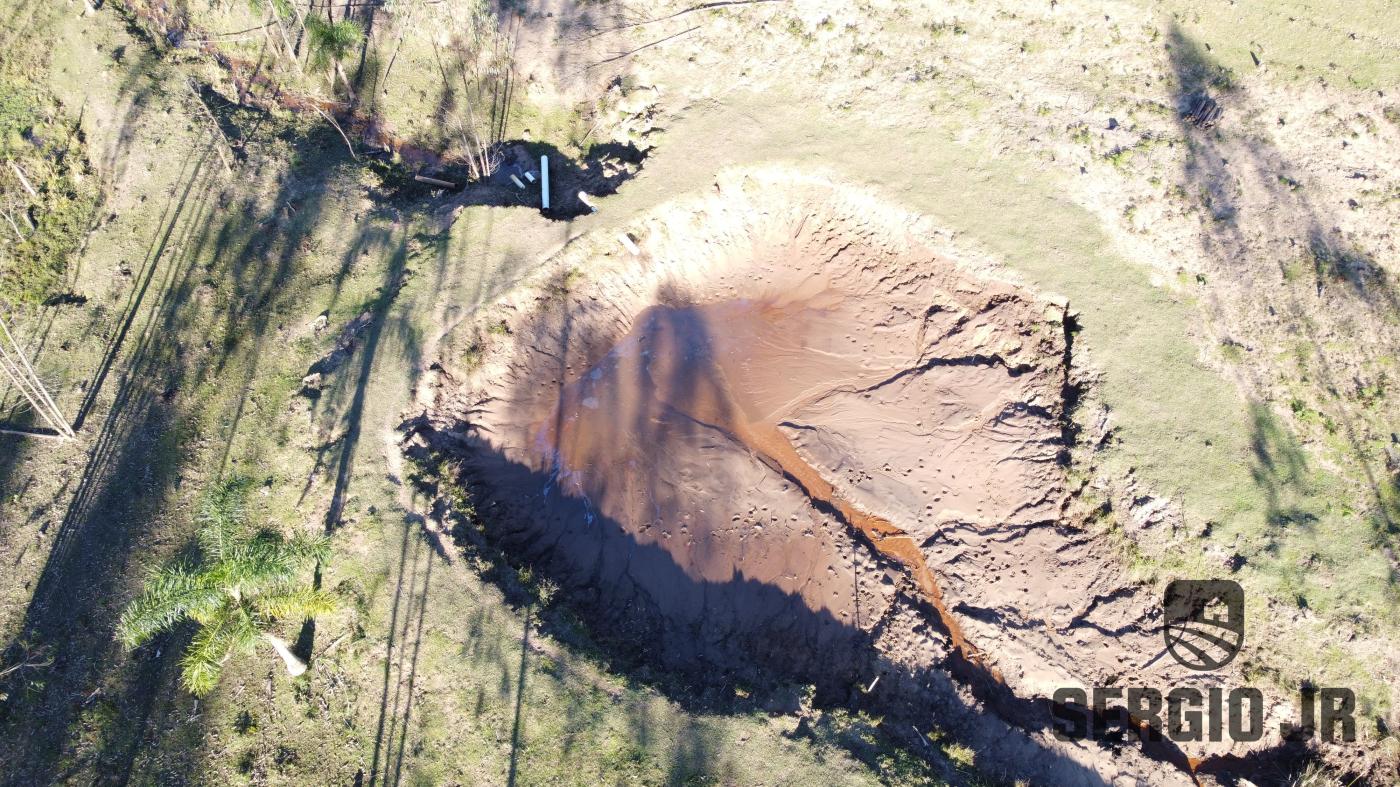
(792, 437)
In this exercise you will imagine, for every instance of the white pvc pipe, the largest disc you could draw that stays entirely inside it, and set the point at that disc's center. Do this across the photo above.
(544, 182)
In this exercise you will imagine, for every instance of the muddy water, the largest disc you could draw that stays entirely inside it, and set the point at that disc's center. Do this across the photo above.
(734, 368)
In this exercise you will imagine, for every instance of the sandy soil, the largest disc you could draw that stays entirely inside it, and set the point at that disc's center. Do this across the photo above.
(791, 435)
(828, 448)
(1275, 227)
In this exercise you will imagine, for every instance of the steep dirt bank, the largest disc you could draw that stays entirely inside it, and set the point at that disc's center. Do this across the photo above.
(791, 436)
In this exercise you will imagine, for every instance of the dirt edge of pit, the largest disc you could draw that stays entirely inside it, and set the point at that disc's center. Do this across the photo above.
(654, 254)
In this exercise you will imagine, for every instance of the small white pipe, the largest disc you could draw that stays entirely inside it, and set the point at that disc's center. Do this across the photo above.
(628, 244)
(518, 183)
(544, 182)
(530, 176)
(583, 197)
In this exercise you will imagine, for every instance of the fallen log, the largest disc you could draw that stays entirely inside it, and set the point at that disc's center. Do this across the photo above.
(443, 184)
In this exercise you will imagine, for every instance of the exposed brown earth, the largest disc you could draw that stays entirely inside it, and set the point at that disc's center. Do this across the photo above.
(801, 437)
(791, 437)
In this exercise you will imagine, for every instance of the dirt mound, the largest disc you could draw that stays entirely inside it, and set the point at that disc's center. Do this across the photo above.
(791, 436)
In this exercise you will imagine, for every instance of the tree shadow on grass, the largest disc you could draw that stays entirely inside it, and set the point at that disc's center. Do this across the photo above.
(135, 463)
(573, 36)
(1308, 283)
(348, 422)
(711, 638)
(406, 618)
(132, 464)
(32, 325)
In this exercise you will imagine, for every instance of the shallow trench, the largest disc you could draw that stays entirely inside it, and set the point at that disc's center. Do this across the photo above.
(797, 437)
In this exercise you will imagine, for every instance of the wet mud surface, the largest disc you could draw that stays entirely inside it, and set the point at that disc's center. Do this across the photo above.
(792, 439)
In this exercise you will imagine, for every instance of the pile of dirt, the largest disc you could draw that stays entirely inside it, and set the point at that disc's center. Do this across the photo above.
(791, 437)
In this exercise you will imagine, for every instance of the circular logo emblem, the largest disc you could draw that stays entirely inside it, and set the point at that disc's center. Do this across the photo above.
(1204, 622)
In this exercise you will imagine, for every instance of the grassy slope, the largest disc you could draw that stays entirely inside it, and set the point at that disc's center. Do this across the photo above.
(411, 46)
(47, 193)
(221, 274)
(1302, 38)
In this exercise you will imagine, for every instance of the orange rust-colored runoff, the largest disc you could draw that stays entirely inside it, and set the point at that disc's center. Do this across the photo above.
(714, 398)
(707, 377)
(886, 537)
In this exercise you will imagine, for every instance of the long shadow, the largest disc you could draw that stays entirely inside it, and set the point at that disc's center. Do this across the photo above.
(678, 604)
(135, 456)
(131, 465)
(1280, 470)
(155, 255)
(409, 609)
(343, 407)
(569, 32)
(261, 263)
(353, 416)
(38, 20)
(25, 22)
(352, 419)
(1316, 287)
(517, 727)
(408, 689)
(384, 713)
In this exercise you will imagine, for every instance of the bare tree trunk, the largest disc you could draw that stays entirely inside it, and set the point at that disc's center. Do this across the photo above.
(349, 90)
(295, 666)
(17, 368)
(331, 120)
(293, 50)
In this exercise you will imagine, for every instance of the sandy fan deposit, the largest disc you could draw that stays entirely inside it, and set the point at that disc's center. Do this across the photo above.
(792, 438)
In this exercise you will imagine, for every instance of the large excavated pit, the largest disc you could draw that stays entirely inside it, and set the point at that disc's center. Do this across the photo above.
(794, 438)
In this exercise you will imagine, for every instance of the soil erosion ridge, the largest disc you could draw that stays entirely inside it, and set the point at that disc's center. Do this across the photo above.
(795, 436)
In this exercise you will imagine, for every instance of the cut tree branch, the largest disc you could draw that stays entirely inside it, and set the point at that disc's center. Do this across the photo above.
(19, 173)
(682, 12)
(645, 46)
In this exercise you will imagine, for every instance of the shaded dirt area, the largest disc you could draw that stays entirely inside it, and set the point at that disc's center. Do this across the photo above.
(789, 436)
(530, 37)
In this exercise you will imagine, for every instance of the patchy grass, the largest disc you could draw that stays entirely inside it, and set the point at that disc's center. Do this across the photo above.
(428, 674)
(43, 150)
(1298, 39)
(432, 671)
